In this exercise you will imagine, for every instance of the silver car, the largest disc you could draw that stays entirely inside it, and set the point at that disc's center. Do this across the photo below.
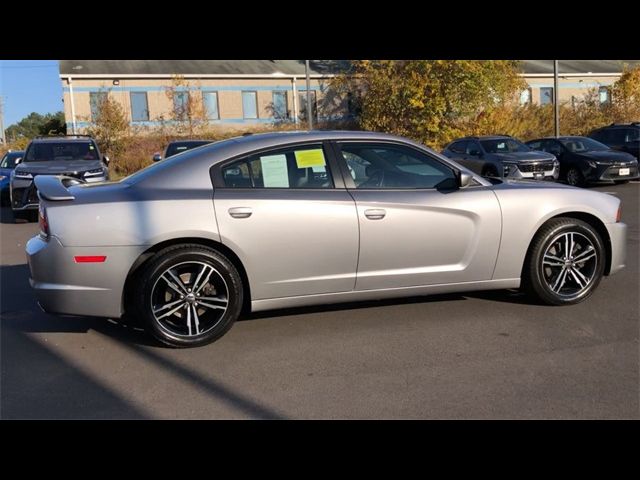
(300, 218)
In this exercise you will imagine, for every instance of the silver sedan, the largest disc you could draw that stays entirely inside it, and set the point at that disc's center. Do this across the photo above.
(289, 219)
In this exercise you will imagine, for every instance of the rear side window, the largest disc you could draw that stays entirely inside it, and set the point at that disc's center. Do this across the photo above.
(295, 167)
(458, 147)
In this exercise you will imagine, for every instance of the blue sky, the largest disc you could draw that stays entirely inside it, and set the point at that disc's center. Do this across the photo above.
(29, 86)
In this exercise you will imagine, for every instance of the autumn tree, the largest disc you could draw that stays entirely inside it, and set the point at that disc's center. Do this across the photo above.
(188, 111)
(625, 97)
(111, 127)
(432, 101)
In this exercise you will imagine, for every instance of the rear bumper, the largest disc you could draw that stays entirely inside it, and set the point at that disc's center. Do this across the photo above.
(90, 289)
(618, 236)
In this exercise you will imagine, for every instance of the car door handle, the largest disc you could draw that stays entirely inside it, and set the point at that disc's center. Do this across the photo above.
(375, 213)
(240, 212)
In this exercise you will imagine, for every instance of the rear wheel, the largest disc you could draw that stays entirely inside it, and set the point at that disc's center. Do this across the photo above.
(189, 295)
(575, 177)
(22, 216)
(565, 262)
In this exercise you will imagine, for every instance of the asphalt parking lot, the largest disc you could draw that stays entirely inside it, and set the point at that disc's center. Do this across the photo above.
(487, 355)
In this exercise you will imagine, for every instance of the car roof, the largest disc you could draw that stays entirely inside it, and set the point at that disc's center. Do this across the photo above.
(63, 138)
(483, 137)
(15, 152)
(563, 137)
(620, 125)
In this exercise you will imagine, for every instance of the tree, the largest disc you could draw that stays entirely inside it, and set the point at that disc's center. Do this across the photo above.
(431, 101)
(625, 96)
(188, 108)
(110, 128)
(36, 124)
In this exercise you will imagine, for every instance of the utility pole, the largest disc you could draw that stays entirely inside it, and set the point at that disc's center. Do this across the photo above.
(556, 107)
(3, 139)
(309, 112)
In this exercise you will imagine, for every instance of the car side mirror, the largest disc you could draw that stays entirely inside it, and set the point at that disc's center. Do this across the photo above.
(17, 161)
(465, 179)
(106, 160)
(156, 157)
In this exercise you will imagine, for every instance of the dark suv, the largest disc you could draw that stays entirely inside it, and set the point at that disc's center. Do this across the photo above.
(620, 136)
(73, 156)
(502, 156)
(179, 146)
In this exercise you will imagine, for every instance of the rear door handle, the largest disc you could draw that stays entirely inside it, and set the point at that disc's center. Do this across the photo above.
(375, 213)
(240, 212)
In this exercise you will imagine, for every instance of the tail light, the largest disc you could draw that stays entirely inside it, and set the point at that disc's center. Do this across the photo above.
(619, 213)
(43, 221)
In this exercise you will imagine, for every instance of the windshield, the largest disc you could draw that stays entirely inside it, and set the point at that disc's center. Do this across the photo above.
(9, 160)
(175, 148)
(583, 144)
(504, 145)
(56, 151)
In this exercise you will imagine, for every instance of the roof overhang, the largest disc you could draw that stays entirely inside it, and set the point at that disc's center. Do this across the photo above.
(270, 76)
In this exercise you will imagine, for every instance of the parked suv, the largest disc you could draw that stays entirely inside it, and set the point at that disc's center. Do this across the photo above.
(179, 146)
(620, 136)
(502, 156)
(75, 156)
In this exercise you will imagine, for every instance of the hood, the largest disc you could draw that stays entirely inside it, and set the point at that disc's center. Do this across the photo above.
(533, 156)
(59, 167)
(607, 156)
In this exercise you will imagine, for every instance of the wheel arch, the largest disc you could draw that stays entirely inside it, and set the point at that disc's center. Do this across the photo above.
(148, 254)
(592, 220)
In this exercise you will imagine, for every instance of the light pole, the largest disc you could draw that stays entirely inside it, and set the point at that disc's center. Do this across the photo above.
(309, 112)
(3, 139)
(556, 107)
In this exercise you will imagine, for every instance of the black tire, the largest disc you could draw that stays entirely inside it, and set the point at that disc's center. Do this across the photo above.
(574, 177)
(23, 216)
(170, 331)
(536, 277)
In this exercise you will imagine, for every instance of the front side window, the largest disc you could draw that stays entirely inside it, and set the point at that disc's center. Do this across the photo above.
(632, 134)
(280, 111)
(9, 160)
(473, 148)
(139, 107)
(249, 105)
(535, 145)
(96, 99)
(394, 166)
(53, 151)
(295, 167)
(210, 102)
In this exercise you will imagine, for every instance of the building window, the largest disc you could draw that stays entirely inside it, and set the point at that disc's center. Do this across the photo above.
(546, 95)
(139, 107)
(303, 105)
(180, 105)
(525, 96)
(249, 105)
(96, 99)
(603, 95)
(210, 103)
(280, 111)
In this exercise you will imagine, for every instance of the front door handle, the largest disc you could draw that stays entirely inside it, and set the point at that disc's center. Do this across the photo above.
(375, 213)
(240, 212)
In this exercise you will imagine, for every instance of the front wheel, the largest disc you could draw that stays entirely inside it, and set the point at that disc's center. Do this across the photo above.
(189, 295)
(565, 262)
(575, 178)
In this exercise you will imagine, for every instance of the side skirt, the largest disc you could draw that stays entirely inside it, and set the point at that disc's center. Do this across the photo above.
(379, 294)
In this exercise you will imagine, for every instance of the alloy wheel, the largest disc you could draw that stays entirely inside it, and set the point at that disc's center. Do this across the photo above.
(569, 264)
(189, 299)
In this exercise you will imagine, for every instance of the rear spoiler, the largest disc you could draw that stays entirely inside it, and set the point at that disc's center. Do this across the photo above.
(54, 187)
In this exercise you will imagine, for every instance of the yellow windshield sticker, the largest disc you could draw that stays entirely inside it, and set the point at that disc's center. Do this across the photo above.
(310, 158)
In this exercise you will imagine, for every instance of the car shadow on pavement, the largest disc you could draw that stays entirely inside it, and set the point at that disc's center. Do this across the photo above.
(38, 383)
(6, 215)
